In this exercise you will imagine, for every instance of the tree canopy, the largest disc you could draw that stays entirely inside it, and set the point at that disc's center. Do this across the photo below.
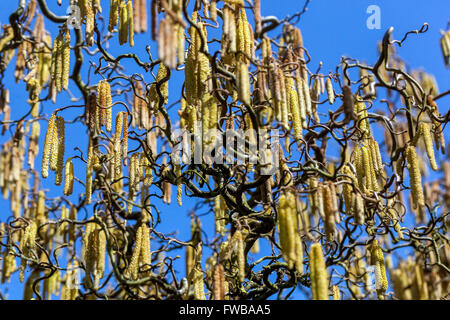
(338, 171)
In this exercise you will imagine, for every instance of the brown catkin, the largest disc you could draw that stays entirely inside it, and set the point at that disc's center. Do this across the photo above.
(123, 22)
(48, 146)
(240, 255)
(219, 282)
(319, 274)
(143, 15)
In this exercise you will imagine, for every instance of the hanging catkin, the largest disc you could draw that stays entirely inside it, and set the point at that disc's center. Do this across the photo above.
(68, 177)
(130, 23)
(243, 83)
(113, 14)
(290, 242)
(133, 267)
(89, 168)
(33, 146)
(123, 22)
(66, 59)
(319, 274)
(60, 150)
(415, 177)
(219, 282)
(329, 212)
(90, 23)
(445, 47)
(240, 255)
(117, 145)
(125, 138)
(57, 62)
(330, 91)
(425, 131)
(377, 259)
(48, 146)
(294, 107)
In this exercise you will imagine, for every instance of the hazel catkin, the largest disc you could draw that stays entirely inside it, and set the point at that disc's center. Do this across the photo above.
(319, 274)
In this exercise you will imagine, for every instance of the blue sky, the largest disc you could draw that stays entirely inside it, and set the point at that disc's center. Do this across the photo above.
(331, 29)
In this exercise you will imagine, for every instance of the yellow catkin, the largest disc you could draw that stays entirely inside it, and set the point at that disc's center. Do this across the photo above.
(66, 60)
(117, 145)
(292, 248)
(319, 274)
(415, 177)
(48, 146)
(41, 212)
(133, 180)
(113, 14)
(163, 87)
(294, 107)
(330, 91)
(376, 156)
(348, 189)
(130, 23)
(57, 57)
(367, 165)
(125, 138)
(380, 270)
(425, 131)
(133, 267)
(361, 111)
(336, 293)
(243, 83)
(179, 185)
(54, 147)
(307, 97)
(33, 146)
(60, 154)
(106, 91)
(68, 177)
(329, 212)
(100, 256)
(89, 22)
(89, 168)
(145, 256)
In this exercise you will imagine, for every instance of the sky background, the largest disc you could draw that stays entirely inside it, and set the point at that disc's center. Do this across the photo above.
(331, 29)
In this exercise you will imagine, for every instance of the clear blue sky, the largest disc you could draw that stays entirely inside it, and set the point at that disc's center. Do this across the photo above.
(330, 30)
